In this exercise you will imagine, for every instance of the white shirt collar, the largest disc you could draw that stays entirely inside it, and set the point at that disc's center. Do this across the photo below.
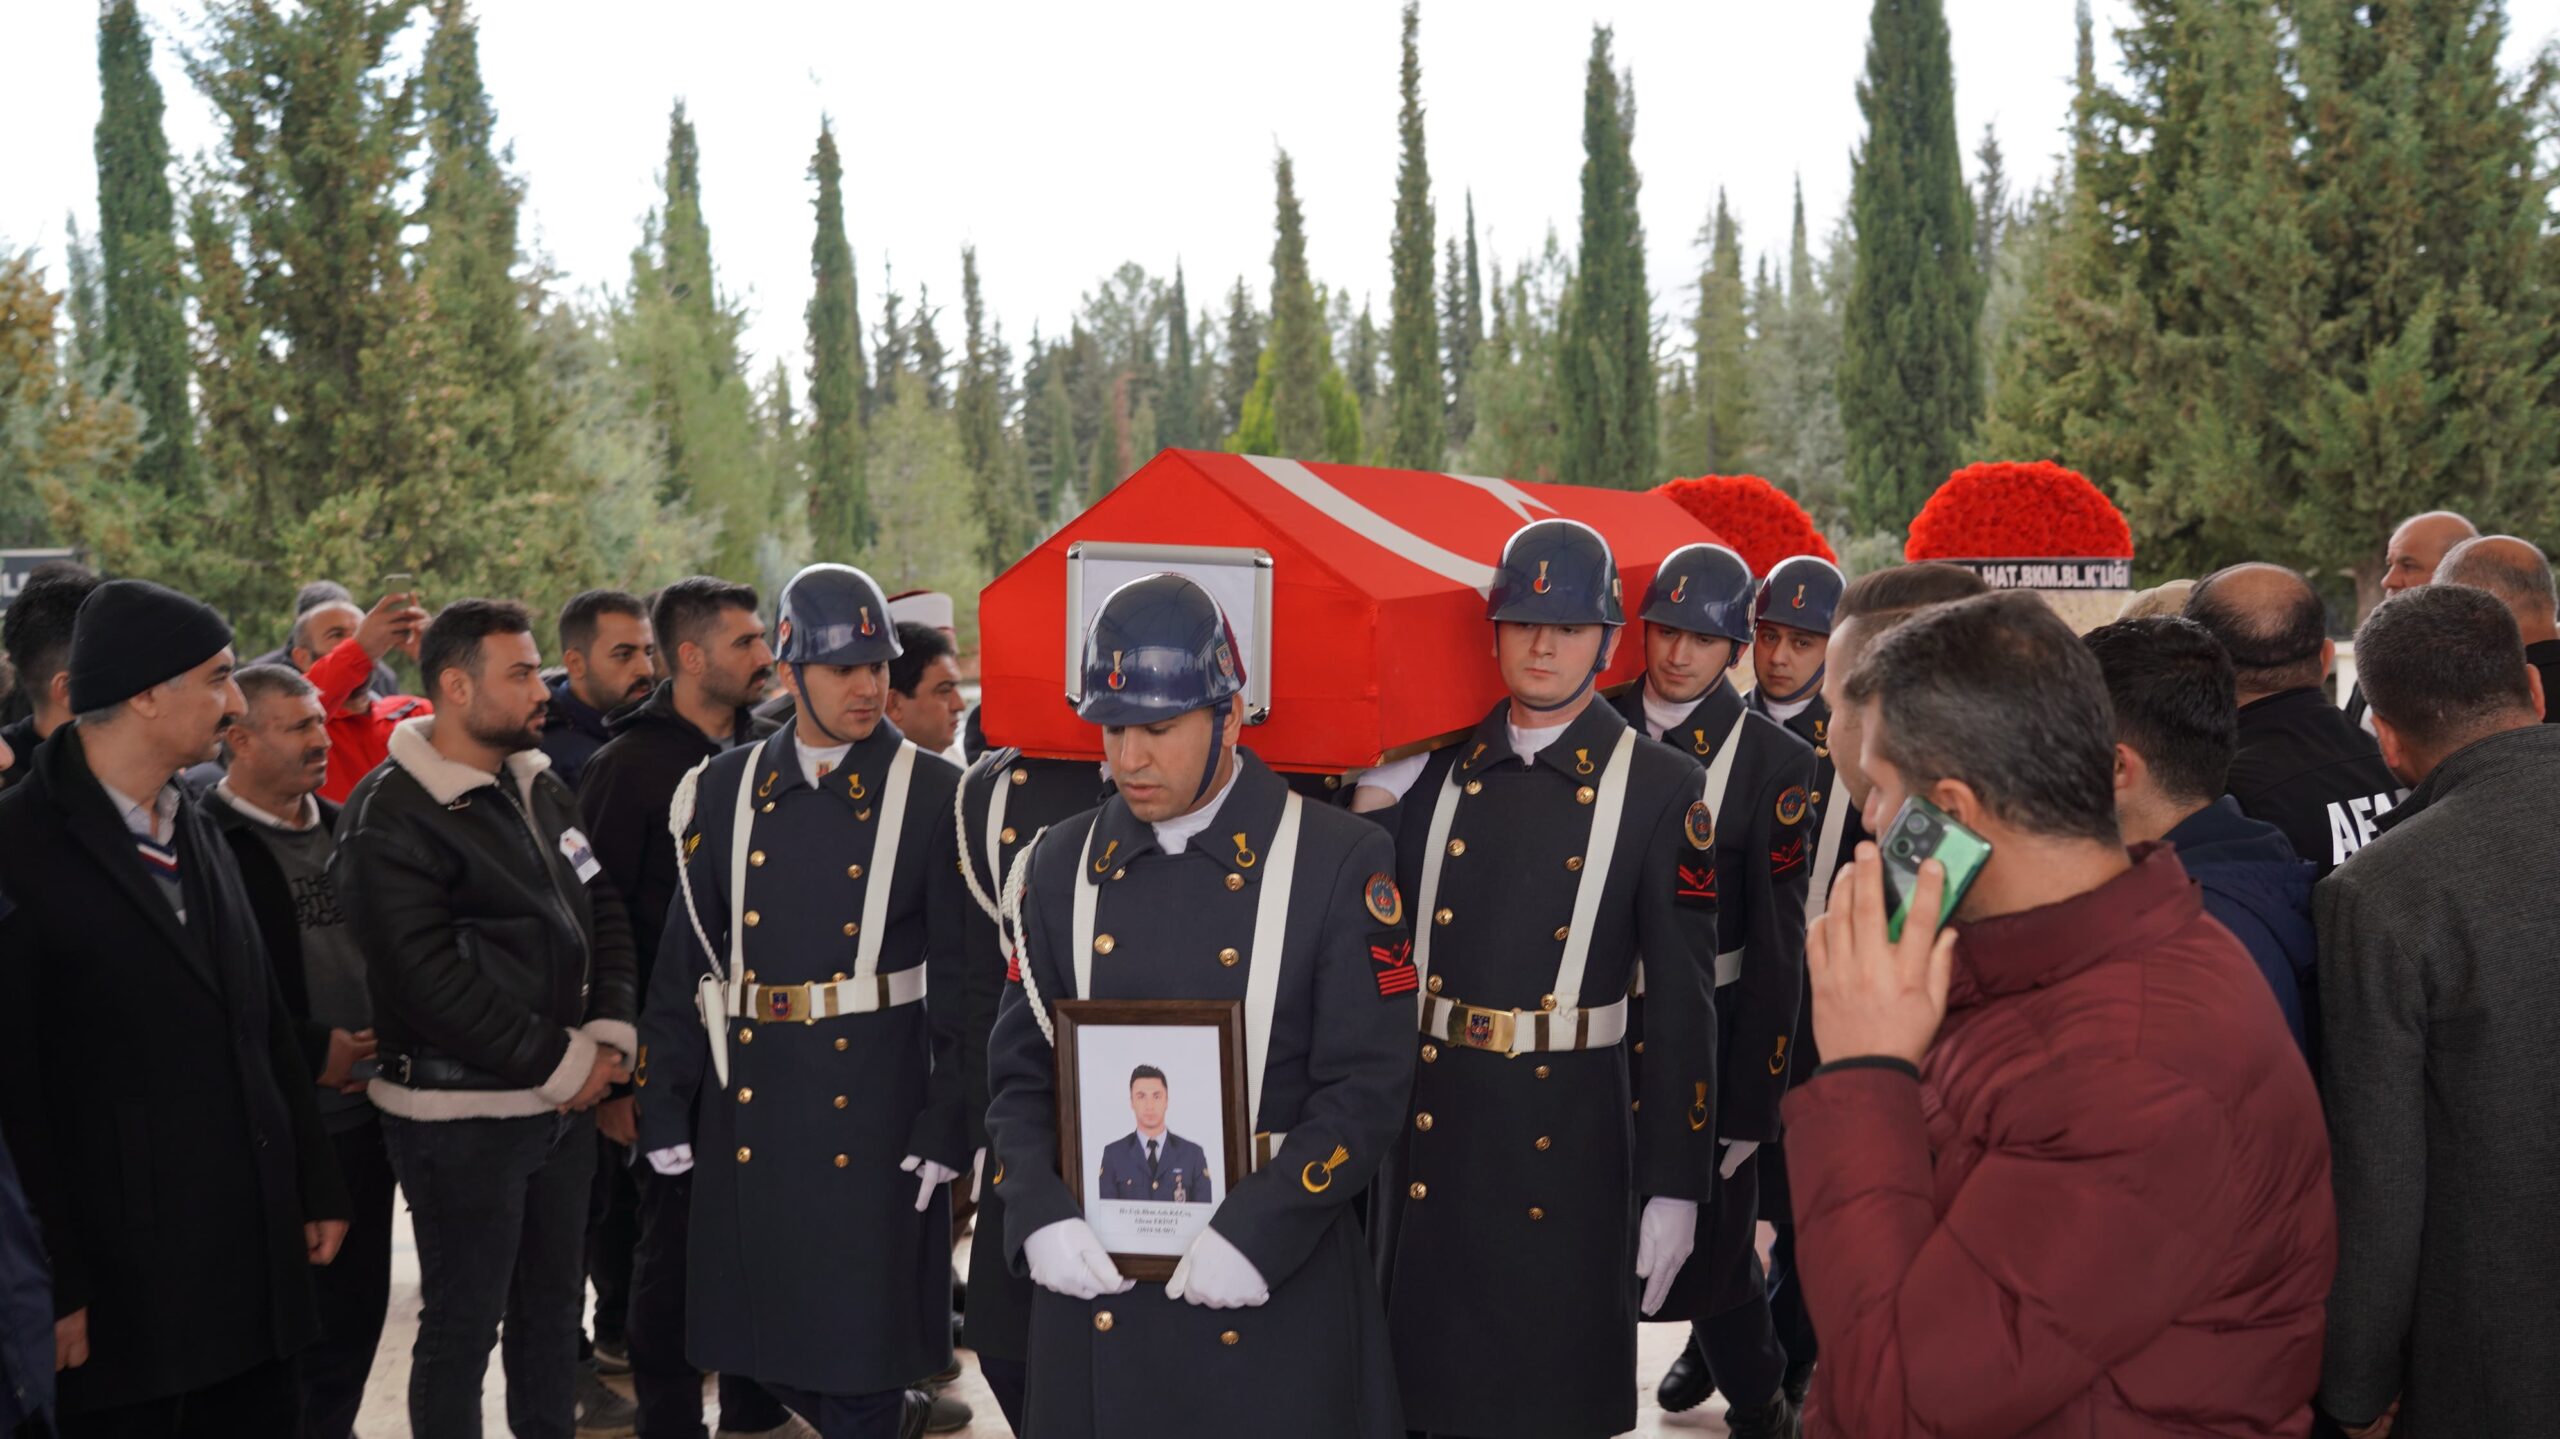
(1174, 835)
(156, 821)
(1782, 711)
(832, 758)
(307, 816)
(1661, 714)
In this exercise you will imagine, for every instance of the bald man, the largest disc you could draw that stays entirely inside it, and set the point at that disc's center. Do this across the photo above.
(2417, 547)
(2519, 575)
(2301, 766)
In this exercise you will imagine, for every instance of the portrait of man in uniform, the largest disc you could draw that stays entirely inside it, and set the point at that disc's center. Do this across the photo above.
(1151, 1163)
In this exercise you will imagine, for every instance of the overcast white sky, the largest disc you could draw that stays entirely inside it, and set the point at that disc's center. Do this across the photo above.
(1063, 139)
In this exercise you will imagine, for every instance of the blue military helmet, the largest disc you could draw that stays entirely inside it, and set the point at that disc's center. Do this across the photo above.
(1158, 649)
(833, 615)
(1705, 590)
(1556, 572)
(1802, 592)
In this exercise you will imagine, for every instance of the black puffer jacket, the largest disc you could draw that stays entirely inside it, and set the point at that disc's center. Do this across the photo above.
(498, 952)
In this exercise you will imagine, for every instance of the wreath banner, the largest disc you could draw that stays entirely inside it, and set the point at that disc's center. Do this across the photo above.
(2115, 575)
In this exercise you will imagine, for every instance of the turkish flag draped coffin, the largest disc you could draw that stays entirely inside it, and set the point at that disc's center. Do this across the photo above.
(1378, 637)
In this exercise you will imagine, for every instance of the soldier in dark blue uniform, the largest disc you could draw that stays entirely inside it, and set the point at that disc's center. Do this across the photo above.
(1793, 618)
(1007, 799)
(1545, 852)
(802, 1037)
(1205, 877)
(1697, 618)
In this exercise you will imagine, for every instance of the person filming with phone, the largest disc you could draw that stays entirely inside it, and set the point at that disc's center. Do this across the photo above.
(338, 647)
(2062, 1170)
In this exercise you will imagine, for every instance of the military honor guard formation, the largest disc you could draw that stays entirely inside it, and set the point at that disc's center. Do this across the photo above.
(1910, 1003)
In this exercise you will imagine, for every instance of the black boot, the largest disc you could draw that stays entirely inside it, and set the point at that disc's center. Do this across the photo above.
(1799, 1381)
(1686, 1384)
(911, 1419)
(1777, 1419)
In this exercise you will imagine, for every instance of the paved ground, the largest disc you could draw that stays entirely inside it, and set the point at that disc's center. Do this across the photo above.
(385, 1412)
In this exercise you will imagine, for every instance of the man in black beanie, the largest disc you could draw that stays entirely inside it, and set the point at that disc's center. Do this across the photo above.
(151, 1090)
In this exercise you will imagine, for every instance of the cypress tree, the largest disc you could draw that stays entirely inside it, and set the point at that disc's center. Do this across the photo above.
(932, 362)
(1299, 353)
(1605, 379)
(1418, 423)
(839, 499)
(1243, 359)
(144, 326)
(889, 349)
(1909, 387)
(1178, 424)
(1990, 201)
(1718, 341)
(1462, 326)
(997, 482)
(1060, 420)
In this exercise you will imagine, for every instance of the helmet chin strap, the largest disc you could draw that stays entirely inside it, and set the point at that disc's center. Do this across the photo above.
(1217, 749)
(808, 711)
(1808, 687)
(1599, 662)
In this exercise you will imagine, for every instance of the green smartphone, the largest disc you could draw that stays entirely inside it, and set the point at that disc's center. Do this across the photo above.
(1922, 831)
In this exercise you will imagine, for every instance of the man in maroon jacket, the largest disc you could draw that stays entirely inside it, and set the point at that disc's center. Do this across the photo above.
(2062, 1171)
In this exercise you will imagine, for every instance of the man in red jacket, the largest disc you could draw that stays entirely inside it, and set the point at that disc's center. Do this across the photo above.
(336, 646)
(2062, 1171)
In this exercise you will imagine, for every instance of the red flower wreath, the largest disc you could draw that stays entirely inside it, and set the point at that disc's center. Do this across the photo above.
(2008, 511)
(1757, 519)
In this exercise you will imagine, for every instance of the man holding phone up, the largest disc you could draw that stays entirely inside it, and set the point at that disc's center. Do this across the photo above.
(1697, 623)
(337, 647)
(2061, 1171)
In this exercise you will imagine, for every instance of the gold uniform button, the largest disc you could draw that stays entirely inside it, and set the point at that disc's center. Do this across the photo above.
(1585, 795)
(1540, 1071)
(1444, 916)
(1536, 1213)
(768, 806)
(1475, 786)
(751, 976)
(756, 857)
(1228, 957)
(1562, 930)
(1814, 798)
(1023, 776)
(1104, 944)
(839, 976)
(1007, 835)
(1431, 1052)
(1636, 1108)
(842, 1161)
(1546, 1002)
(746, 1095)
(1543, 1142)
(853, 871)
(1422, 1121)
(1101, 1321)
(1120, 874)
(1419, 1190)
(851, 929)
(841, 1044)
(1433, 984)
(1235, 882)
(744, 1154)
(754, 919)
(1231, 1338)
(1639, 1046)
(746, 1035)
(1457, 847)
(841, 1102)
(1574, 863)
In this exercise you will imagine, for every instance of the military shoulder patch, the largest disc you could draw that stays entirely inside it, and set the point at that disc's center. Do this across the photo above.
(1696, 883)
(1787, 857)
(1792, 805)
(1386, 904)
(1391, 960)
(1699, 825)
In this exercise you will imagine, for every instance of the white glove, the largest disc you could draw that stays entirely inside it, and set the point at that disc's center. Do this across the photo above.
(1067, 1258)
(672, 1161)
(1736, 1153)
(1214, 1274)
(928, 1174)
(1664, 1237)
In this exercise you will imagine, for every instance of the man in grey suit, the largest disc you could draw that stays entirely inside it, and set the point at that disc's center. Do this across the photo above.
(2441, 997)
(1153, 1164)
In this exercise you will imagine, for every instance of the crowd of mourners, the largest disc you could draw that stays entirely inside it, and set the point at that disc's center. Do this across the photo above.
(2225, 1105)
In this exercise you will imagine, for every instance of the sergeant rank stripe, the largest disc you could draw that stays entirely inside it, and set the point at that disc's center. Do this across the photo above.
(1396, 974)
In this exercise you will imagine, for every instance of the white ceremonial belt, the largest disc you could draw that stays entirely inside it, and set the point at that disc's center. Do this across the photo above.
(1523, 1031)
(1728, 969)
(825, 999)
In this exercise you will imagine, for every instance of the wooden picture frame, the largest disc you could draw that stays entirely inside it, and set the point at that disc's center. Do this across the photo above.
(1203, 1044)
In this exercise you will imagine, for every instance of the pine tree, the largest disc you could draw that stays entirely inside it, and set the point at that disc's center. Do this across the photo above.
(1719, 340)
(1605, 368)
(839, 501)
(1301, 406)
(1418, 425)
(1059, 419)
(1180, 419)
(997, 482)
(1990, 202)
(144, 330)
(1242, 362)
(1909, 389)
(932, 362)
(1462, 325)
(684, 337)
(889, 348)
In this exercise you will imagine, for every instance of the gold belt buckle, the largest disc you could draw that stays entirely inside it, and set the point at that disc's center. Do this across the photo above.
(1479, 1028)
(782, 1003)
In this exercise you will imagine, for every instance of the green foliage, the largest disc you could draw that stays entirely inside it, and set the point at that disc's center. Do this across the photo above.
(1909, 389)
(1606, 400)
(1709, 421)
(839, 503)
(998, 481)
(1418, 422)
(1183, 418)
(142, 320)
(1289, 385)
(1514, 381)
(930, 535)
(1462, 325)
(66, 444)
(1241, 362)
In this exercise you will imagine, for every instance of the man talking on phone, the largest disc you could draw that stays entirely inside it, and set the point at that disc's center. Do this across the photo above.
(2061, 1170)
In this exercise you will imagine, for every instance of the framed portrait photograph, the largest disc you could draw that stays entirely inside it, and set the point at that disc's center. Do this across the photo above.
(1152, 1128)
